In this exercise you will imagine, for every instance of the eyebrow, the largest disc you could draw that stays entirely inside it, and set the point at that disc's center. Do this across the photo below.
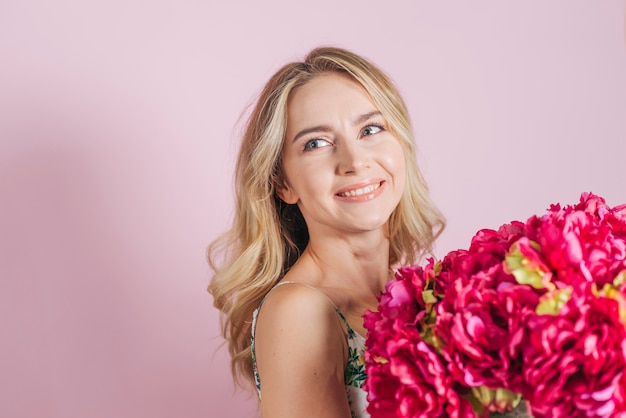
(325, 128)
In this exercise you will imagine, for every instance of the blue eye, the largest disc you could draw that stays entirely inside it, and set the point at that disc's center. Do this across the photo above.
(371, 130)
(315, 143)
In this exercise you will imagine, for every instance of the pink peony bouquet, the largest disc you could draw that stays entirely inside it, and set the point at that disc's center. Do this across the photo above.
(534, 312)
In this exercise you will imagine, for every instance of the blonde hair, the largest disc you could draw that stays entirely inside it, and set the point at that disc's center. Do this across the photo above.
(267, 235)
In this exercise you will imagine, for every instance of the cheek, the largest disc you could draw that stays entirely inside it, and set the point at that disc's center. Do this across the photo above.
(396, 162)
(401, 177)
(310, 178)
(397, 167)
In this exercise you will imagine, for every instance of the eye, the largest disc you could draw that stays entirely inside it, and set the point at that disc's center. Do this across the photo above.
(371, 130)
(316, 143)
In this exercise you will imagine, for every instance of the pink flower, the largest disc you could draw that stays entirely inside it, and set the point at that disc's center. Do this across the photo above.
(535, 309)
(406, 377)
(453, 267)
(400, 386)
(481, 330)
(408, 286)
(403, 299)
(616, 220)
(593, 205)
(574, 362)
(578, 247)
(484, 258)
(525, 262)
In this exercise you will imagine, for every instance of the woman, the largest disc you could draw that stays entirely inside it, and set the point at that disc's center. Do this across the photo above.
(329, 199)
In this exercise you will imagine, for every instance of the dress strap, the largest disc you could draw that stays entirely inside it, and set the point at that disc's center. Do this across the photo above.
(310, 287)
(343, 318)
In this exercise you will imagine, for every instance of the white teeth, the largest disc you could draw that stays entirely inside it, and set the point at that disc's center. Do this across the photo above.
(358, 192)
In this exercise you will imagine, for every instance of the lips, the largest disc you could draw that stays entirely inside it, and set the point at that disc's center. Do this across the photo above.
(360, 190)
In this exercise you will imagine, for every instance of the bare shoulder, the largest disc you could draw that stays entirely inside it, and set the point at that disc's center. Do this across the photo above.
(300, 351)
(294, 300)
(294, 315)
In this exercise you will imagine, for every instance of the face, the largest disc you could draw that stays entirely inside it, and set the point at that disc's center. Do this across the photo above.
(341, 165)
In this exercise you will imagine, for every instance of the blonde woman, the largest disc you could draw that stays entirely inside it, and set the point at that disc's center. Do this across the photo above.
(329, 199)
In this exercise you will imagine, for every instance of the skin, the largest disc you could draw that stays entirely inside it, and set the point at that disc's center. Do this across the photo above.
(336, 142)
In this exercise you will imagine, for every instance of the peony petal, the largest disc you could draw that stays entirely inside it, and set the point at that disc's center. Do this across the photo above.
(605, 410)
(471, 381)
(590, 344)
(604, 394)
(475, 327)
(398, 292)
(573, 247)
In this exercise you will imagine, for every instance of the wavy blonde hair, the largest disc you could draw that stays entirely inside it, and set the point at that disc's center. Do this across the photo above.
(267, 236)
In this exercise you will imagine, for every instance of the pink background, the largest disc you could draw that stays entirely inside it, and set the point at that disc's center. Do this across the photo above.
(118, 129)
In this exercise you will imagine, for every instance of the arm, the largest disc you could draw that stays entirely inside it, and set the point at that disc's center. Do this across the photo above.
(301, 354)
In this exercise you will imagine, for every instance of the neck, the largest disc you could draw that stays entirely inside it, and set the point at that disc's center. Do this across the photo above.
(359, 262)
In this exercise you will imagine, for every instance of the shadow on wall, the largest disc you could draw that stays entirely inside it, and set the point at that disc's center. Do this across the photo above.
(67, 314)
(101, 312)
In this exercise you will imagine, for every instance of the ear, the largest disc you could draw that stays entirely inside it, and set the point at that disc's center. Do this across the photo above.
(286, 194)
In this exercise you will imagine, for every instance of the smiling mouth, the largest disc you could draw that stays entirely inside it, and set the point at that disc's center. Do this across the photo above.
(361, 191)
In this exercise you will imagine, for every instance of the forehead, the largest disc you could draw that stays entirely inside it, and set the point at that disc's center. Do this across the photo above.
(330, 95)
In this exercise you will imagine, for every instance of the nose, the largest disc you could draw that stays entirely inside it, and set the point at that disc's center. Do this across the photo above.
(351, 158)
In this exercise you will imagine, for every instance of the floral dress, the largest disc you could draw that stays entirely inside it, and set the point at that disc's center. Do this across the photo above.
(354, 375)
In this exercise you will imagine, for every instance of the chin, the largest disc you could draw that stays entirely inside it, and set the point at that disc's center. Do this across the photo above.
(372, 224)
